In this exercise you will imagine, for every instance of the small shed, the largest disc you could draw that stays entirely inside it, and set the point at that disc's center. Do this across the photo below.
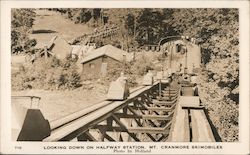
(99, 60)
(57, 47)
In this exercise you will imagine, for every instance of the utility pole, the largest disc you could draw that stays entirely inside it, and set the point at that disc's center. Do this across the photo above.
(185, 70)
(134, 37)
(124, 63)
(162, 74)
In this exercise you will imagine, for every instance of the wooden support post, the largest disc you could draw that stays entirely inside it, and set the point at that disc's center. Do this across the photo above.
(125, 110)
(148, 134)
(109, 138)
(152, 123)
(146, 101)
(130, 109)
(120, 138)
(82, 137)
(86, 136)
(162, 137)
(45, 53)
(102, 134)
(160, 88)
(109, 122)
(123, 126)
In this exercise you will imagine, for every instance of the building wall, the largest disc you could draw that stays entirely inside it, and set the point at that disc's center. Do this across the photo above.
(93, 67)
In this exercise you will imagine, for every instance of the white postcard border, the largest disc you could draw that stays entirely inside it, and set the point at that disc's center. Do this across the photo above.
(241, 147)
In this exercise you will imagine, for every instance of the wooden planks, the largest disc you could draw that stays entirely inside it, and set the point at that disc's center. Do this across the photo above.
(169, 103)
(157, 117)
(201, 130)
(190, 101)
(179, 131)
(151, 130)
(190, 122)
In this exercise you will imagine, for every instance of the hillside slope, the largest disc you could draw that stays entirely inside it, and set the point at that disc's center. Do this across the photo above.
(48, 24)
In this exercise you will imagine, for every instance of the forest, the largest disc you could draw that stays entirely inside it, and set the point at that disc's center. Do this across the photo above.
(216, 30)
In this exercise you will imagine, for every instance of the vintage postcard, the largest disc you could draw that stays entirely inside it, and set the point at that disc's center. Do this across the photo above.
(124, 77)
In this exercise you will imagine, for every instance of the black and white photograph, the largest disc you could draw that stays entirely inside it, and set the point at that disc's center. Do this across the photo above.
(126, 74)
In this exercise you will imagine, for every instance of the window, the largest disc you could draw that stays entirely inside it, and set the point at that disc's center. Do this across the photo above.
(91, 65)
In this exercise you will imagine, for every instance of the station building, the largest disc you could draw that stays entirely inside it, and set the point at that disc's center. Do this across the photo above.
(100, 60)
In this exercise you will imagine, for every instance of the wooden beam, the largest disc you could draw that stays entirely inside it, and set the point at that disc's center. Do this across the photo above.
(135, 113)
(45, 53)
(102, 135)
(152, 130)
(155, 108)
(124, 127)
(122, 115)
(156, 117)
(148, 134)
(171, 89)
(169, 99)
(59, 122)
(162, 137)
(110, 122)
(145, 116)
(108, 137)
(161, 109)
(152, 123)
(170, 95)
(201, 130)
(86, 136)
(179, 131)
(151, 137)
(108, 129)
(156, 102)
(149, 130)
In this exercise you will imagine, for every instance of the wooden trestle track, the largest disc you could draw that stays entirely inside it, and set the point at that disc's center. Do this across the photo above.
(102, 33)
(148, 114)
(142, 117)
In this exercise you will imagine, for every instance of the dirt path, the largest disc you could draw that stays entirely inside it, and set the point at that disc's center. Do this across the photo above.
(48, 24)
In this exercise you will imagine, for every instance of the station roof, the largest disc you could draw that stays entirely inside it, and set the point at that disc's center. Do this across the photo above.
(109, 51)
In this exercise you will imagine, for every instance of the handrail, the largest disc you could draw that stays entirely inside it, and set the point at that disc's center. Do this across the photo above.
(26, 97)
(32, 98)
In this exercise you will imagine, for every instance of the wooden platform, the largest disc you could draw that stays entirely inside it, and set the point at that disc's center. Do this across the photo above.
(190, 123)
